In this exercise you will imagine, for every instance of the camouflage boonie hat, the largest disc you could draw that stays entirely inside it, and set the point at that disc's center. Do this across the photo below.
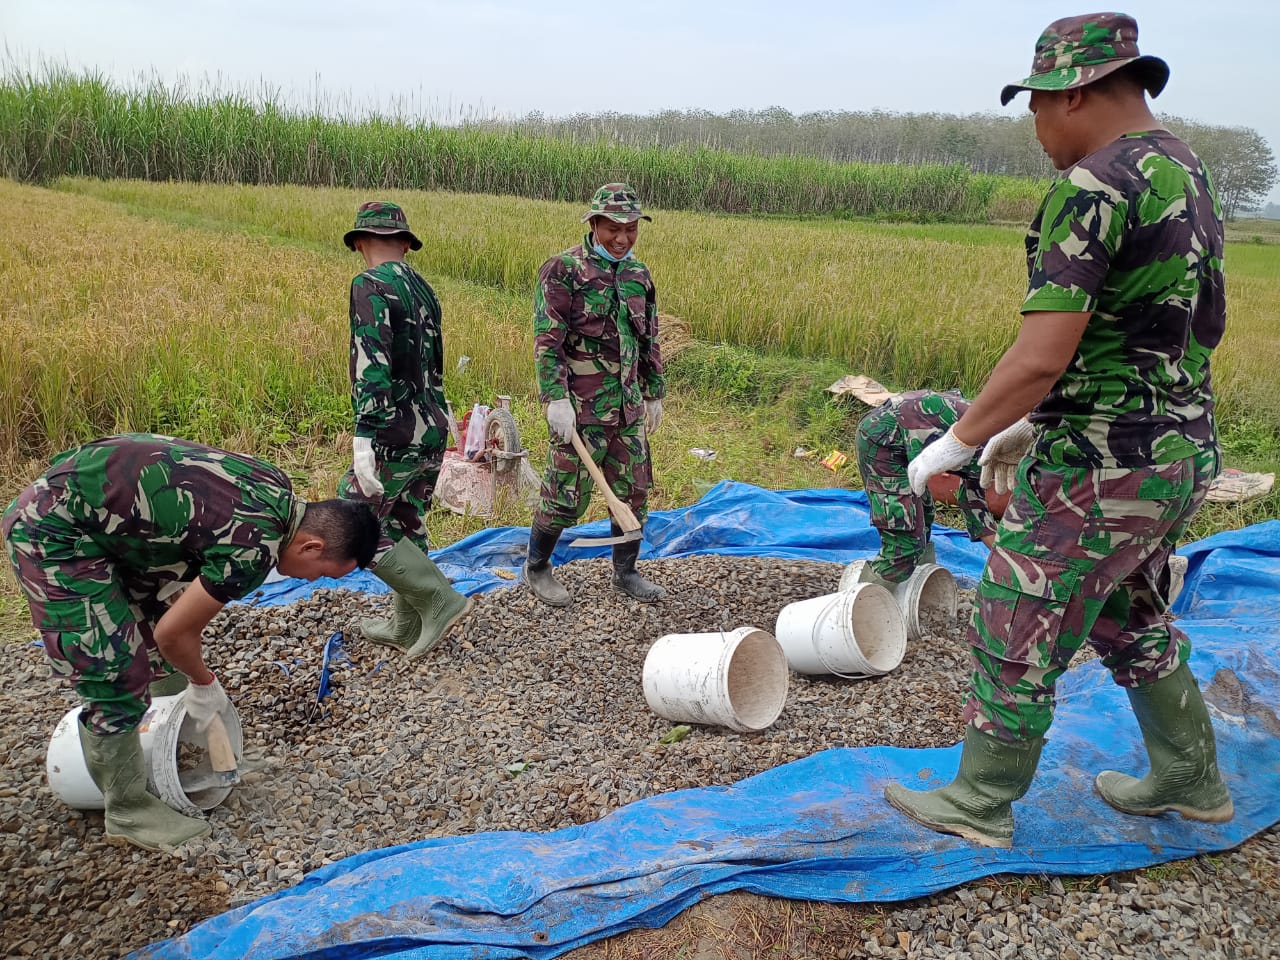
(383, 218)
(618, 202)
(1074, 51)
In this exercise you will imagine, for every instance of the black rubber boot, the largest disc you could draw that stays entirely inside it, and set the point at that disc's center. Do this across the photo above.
(537, 568)
(625, 578)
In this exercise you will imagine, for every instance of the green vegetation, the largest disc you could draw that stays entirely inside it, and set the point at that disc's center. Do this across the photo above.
(59, 123)
(219, 313)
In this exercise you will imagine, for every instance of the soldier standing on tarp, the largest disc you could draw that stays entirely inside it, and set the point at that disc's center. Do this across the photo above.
(401, 426)
(1125, 303)
(103, 542)
(888, 438)
(599, 368)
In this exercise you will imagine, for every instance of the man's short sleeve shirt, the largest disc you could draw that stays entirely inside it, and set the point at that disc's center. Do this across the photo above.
(1132, 234)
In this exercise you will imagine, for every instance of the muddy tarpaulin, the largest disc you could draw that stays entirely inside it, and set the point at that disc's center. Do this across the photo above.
(815, 829)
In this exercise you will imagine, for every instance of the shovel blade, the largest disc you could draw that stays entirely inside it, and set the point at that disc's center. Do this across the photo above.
(605, 541)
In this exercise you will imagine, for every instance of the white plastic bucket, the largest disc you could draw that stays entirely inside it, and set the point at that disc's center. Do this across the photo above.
(163, 727)
(736, 680)
(930, 592)
(853, 633)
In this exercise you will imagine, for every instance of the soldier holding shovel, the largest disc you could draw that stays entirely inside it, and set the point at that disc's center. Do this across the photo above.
(600, 375)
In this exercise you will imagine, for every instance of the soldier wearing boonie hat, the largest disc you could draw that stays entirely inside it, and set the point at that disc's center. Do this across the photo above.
(600, 373)
(401, 426)
(1102, 414)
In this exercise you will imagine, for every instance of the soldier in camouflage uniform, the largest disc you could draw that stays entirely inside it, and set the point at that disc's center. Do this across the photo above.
(1125, 304)
(102, 544)
(599, 368)
(401, 427)
(888, 438)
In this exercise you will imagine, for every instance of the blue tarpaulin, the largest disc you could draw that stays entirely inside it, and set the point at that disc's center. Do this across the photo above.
(815, 829)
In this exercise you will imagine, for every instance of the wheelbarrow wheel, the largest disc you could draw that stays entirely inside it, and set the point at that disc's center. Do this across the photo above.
(502, 435)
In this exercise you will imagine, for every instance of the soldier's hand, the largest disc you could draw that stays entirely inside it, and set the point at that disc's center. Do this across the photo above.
(1002, 454)
(562, 420)
(652, 415)
(204, 701)
(365, 466)
(944, 454)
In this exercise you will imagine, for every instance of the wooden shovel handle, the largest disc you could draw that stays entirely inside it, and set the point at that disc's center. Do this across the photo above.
(221, 756)
(620, 511)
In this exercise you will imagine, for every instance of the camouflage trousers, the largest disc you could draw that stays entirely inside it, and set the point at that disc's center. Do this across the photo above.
(887, 440)
(95, 622)
(621, 453)
(1081, 555)
(407, 486)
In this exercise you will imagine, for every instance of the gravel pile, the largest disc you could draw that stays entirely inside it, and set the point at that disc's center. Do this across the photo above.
(533, 719)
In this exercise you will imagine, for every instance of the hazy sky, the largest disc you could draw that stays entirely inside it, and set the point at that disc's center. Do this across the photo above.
(453, 57)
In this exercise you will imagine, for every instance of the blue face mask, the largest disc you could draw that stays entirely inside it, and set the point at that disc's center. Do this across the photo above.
(601, 251)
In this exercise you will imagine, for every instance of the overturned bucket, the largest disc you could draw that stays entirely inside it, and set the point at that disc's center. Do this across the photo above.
(857, 632)
(165, 728)
(927, 599)
(736, 679)
(928, 595)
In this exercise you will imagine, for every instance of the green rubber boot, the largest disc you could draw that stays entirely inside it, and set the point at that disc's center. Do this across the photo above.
(400, 632)
(978, 804)
(426, 605)
(1184, 773)
(168, 686)
(867, 574)
(132, 814)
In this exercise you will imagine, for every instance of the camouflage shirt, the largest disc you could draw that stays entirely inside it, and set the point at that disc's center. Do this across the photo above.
(1133, 235)
(167, 511)
(595, 326)
(397, 363)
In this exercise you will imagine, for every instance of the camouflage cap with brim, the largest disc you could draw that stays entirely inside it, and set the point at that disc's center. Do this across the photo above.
(1075, 51)
(618, 202)
(381, 218)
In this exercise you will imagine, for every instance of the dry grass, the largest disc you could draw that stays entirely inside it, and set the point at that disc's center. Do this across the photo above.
(744, 926)
(910, 305)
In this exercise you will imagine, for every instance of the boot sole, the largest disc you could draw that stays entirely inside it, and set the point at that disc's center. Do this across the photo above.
(1219, 814)
(619, 590)
(962, 831)
(120, 840)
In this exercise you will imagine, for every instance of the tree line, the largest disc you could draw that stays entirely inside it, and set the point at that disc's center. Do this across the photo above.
(1239, 159)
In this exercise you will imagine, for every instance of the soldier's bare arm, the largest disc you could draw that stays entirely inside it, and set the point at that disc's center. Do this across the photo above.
(1045, 345)
(178, 634)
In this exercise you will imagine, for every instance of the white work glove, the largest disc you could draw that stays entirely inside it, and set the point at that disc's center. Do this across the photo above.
(945, 453)
(652, 415)
(365, 465)
(204, 702)
(561, 419)
(1002, 454)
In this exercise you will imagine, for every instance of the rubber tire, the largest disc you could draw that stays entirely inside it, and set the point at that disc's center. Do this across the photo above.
(501, 431)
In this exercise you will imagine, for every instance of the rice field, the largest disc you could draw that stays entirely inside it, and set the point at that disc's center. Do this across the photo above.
(55, 123)
(219, 312)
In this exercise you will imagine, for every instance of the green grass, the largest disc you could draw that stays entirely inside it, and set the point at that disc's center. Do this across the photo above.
(59, 123)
